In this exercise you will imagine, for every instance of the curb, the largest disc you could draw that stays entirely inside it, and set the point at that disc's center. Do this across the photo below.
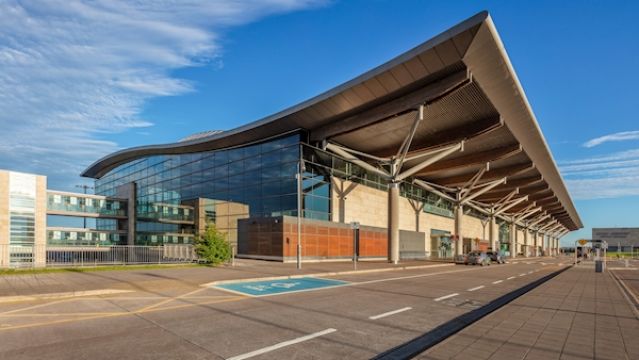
(331, 273)
(627, 293)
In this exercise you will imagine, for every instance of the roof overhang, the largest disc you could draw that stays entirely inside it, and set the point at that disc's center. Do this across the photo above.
(471, 93)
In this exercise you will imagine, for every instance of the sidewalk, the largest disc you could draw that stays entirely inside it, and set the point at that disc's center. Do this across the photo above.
(183, 277)
(579, 314)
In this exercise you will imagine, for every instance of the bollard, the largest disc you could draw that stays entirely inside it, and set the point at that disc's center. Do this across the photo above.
(233, 255)
(355, 227)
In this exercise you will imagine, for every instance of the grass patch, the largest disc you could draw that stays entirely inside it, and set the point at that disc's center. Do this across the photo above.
(31, 271)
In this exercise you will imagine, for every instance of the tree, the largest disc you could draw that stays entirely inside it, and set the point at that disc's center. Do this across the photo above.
(213, 246)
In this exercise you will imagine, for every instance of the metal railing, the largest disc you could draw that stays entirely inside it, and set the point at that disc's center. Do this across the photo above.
(12, 256)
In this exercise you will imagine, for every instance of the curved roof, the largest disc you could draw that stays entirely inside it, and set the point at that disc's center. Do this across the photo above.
(472, 93)
(201, 135)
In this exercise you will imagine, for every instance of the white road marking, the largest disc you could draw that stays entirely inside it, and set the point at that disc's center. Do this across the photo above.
(390, 313)
(524, 274)
(510, 278)
(476, 288)
(497, 282)
(530, 272)
(281, 345)
(446, 297)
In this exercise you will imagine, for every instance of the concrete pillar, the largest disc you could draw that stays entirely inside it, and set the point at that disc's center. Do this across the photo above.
(393, 223)
(494, 241)
(535, 244)
(513, 240)
(127, 191)
(526, 245)
(4, 219)
(40, 233)
(459, 239)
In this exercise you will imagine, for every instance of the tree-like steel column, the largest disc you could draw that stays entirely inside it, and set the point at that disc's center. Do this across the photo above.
(513, 240)
(393, 222)
(459, 239)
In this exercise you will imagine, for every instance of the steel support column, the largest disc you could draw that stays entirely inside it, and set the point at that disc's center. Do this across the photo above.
(494, 241)
(393, 222)
(459, 239)
(513, 240)
(526, 247)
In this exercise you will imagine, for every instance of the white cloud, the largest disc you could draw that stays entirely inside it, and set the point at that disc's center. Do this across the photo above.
(613, 187)
(605, 176)
(72, 69)
(620, 136)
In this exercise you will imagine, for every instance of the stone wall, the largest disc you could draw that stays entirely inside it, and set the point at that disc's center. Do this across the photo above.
(369, 206)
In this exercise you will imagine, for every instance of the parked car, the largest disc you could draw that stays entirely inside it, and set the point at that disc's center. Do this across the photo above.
(496, 257)
(478, 258)
(461, 259)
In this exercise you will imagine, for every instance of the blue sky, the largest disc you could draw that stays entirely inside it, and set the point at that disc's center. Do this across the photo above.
(79, 80)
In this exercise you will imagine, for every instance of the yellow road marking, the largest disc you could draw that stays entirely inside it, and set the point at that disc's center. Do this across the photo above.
(172, 299)
(117, 314)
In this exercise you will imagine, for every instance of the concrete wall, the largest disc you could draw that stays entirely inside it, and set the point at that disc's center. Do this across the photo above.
(40, 256)
(4, 219)
(40, 218)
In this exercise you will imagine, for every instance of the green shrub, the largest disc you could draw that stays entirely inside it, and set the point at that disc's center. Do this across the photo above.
(212, 246)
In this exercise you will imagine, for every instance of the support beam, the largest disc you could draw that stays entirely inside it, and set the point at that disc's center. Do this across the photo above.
(515, 183)
(548, 225)
(430, 161)
(538, 220)
(428, 187)
(403, 150)
(474, 159)
(468, 196)
(350, 157)
(493, 174)
(451, 136)
(426, 95)
(510, 205)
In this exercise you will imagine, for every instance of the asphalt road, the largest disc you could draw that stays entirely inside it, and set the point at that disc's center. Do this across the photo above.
(370, 314)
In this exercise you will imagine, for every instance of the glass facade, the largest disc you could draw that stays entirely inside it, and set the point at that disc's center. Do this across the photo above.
(72, 203)
(74, 237)
(22, 197)
(177, 194)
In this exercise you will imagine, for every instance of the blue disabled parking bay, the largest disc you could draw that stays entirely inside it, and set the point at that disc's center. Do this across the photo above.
(276, 287)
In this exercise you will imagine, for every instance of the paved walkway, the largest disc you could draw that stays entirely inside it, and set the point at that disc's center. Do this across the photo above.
(579, 314)
(69, 281)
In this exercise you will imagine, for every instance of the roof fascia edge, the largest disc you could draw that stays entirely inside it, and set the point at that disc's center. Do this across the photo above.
(560, 185)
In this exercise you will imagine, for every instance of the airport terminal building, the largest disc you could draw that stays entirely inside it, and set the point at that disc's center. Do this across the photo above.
(434, 153)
